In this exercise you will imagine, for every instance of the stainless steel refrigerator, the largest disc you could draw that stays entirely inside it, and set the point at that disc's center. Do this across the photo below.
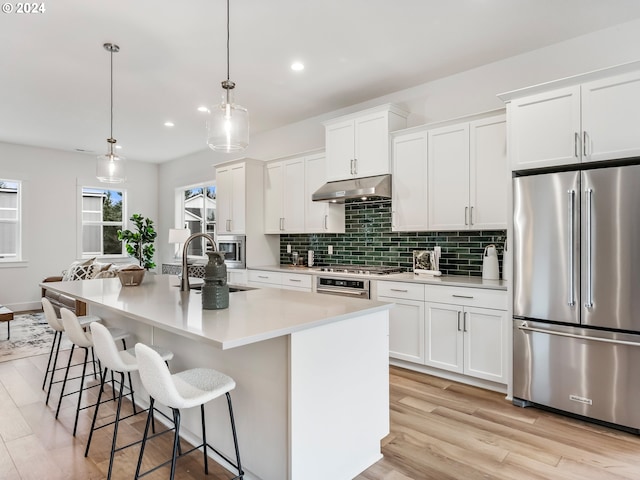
(576, 301)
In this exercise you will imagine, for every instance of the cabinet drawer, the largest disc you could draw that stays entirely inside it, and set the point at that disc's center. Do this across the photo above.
(473, 297)
(261, 276)
(298, 280)
(409, 291)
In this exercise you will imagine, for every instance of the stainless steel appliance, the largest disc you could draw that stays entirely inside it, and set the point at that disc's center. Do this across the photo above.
(576, 297)
(351, 285)
(234, 249)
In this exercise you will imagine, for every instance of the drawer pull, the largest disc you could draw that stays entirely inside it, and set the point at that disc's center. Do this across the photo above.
(399, 290)
(293, 280)
(462, 296)
(263, 276)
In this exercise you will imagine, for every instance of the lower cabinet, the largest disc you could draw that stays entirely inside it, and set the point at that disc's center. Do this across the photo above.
(237, 277)
(289, 281)
(464, 337)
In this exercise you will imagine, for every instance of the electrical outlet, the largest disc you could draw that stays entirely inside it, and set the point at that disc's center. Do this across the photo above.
(330, 249)
(288, 248)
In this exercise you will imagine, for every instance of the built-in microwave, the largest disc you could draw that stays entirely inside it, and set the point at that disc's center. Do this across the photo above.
(234, 249)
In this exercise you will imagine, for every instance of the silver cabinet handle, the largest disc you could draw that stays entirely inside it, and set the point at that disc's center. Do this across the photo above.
(326, 222)
(571, 204)
(293, 280)
(399, 290)
(461, 296)
(263, 276)
(228, 225)
(525, 328)
(471, 215)
(464, 322)
(351, 166)
(355, 166)
(466, 211)
(589, 302)
(576, 141)
(281, 223)
(459, 321)
(584, 144)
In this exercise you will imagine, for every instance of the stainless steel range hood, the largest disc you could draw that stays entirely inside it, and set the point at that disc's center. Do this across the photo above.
(367, 188)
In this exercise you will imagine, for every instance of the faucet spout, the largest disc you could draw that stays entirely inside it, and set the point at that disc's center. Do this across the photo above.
(184, 282)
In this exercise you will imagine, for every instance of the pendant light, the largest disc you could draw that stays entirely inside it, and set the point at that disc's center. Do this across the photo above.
(110, 167)
(228, 125)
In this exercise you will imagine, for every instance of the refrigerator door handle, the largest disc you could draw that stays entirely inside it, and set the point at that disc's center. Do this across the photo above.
(589, 240)
(525, 328)
(571, 194)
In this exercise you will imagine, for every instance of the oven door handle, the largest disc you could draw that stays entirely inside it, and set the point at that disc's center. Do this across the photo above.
(342, 291)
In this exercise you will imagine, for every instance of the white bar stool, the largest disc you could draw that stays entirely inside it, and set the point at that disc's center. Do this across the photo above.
(56, 324)
(120, 362)
(83, 340)
(185, 389)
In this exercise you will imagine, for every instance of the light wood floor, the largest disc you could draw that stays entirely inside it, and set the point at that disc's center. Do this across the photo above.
(439, 430)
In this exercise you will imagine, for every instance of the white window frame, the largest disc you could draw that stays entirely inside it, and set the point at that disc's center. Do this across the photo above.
(17, 220)
(180, 221)
(81, 223)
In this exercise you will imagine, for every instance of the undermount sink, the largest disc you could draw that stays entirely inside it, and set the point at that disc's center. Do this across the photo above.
(239, 288)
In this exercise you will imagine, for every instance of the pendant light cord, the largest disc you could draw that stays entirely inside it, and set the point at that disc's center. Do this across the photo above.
(110, 143)
(227, 40)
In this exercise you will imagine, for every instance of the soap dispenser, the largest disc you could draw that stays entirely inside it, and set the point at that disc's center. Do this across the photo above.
(490, 270)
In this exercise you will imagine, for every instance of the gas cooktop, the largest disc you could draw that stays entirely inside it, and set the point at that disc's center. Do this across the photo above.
(361, 269)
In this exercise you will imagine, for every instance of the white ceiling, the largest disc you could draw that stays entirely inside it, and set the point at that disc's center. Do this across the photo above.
(54, 72)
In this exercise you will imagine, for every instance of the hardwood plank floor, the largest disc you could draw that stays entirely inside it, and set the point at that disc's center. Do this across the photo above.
(440, 430)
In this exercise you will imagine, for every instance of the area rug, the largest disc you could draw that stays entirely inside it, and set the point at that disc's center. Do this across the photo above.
(30, 335)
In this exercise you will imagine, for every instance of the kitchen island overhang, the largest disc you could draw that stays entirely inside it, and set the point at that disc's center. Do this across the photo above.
(312, 370)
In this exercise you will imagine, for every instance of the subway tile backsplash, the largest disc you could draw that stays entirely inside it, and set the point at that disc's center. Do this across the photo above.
(368, 239)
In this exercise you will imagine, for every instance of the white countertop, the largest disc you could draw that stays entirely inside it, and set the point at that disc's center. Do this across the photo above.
(252, 316)
(450, 280)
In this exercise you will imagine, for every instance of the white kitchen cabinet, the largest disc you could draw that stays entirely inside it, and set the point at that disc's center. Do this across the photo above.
(585, 121)
(409, 182)
(406, 319)
(467, 175)
(231, 198)
(358, 145)
(284, 196)
(320, 217)
(290, 281)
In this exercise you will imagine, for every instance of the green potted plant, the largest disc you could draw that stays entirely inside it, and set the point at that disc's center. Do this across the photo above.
(140, 244)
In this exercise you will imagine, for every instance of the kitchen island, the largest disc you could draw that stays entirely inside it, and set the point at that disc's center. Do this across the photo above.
(312, 398)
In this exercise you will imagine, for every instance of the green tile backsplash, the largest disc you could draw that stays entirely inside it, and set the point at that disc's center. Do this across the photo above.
(368, 239)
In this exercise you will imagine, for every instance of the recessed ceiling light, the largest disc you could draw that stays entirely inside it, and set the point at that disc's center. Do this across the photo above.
(297, 66)
(203, 109)
(168, 124)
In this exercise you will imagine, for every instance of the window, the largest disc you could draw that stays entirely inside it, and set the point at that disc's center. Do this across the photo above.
(102, 216)
(10, 220)
(199, 214)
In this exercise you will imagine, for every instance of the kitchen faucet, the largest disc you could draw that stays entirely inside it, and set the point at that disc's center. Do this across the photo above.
(184, 282)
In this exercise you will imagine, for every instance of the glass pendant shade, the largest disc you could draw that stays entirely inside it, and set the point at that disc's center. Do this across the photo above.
(228, 126)
(110, 168)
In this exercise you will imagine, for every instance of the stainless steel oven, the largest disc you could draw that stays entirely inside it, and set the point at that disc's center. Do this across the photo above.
(346, 287)
(234, 248)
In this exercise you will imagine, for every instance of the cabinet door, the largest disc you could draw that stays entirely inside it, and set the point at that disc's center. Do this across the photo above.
(340, 150)
(409, 192)
(488, 176)
(449, 178)
(545, 129)
(293, 198)
(320, 217)
(372, 145)
(273, 186)
(239, 199)
(224, 194)
(443, 336)
(485, 341)
(406, 329)
(610, 118)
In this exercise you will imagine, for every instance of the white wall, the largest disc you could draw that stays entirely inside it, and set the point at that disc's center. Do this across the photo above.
(50, 210)
(466, 93)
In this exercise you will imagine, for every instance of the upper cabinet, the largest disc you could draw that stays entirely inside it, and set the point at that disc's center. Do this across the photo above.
(320, 217)
(358, 144)
(239, 184)
(581, 119)
(467, 185)
(284, 196)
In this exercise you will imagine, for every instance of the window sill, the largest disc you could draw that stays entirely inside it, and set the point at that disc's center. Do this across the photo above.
(14, 263)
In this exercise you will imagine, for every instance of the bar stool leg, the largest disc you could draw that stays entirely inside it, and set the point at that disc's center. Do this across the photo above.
(176, 441)
(53, 346)
(115, 427)
(144, 438)
(84, 371)
(133, 400)
(204, 441)
(53, 371)
(235, 436)
(103, 377)
(64, 382)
